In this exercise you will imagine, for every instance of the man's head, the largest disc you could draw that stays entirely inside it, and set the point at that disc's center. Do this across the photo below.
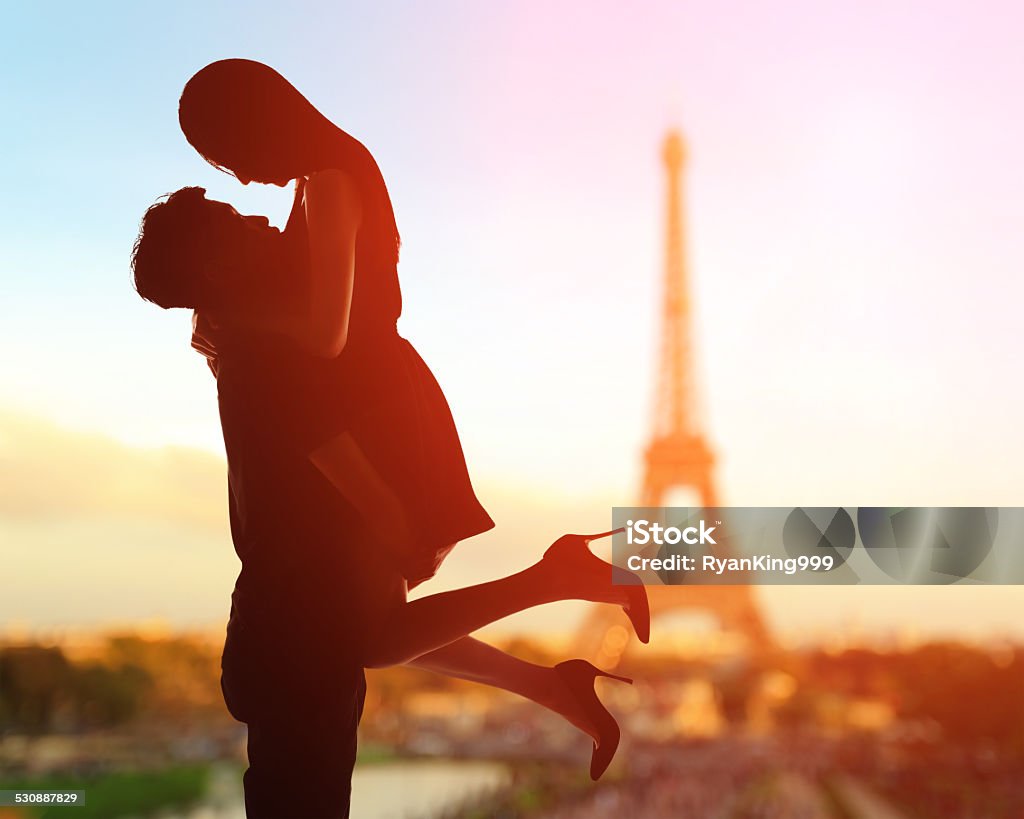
(199, 253)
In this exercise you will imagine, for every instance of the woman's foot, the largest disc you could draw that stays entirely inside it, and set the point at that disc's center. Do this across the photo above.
(573, 696)
(572, 565)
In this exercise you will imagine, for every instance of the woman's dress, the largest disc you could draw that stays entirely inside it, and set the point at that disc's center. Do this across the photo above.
(393, 407)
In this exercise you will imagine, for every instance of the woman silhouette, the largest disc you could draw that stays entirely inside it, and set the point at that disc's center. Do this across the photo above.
(361, 407)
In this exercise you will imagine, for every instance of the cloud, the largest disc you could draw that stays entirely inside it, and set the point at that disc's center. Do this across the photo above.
(50, 474)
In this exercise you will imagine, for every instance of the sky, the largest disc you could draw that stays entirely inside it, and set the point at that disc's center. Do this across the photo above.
(854, 196)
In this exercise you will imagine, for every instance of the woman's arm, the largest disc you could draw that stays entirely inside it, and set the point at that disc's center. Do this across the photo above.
(333, 215)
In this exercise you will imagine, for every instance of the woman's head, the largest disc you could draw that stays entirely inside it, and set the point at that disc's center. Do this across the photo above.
(245, 118)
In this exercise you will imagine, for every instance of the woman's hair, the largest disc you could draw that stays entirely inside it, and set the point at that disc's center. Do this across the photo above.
(243, 116)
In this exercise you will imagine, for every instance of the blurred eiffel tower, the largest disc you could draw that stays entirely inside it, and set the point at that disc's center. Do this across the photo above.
(678, 456)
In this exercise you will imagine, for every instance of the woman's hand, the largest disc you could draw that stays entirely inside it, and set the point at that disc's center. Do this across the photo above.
(205, 334)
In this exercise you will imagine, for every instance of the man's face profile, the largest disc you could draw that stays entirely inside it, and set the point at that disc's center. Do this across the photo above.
(236, 247)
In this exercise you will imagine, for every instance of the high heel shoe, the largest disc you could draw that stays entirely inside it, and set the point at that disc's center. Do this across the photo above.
(579, 676)
(637, 609)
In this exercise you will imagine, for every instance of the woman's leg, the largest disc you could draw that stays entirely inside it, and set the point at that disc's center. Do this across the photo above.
(401, 631)
(417, 627)
(469, 659)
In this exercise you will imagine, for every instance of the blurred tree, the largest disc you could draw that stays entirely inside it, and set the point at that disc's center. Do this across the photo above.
(33, 682)
(109, 696)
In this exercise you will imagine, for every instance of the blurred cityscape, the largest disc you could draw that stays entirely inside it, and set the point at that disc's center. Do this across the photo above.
(712, 729)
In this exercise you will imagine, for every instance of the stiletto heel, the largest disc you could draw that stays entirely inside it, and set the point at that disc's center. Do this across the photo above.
(579, 676)
(638, 609)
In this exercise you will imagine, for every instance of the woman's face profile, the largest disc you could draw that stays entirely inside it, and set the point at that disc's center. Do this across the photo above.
(245, 180)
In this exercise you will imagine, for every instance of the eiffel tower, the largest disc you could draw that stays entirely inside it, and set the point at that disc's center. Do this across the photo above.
(678, 456)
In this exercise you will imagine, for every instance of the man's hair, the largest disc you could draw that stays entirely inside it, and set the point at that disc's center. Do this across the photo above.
(175, 242)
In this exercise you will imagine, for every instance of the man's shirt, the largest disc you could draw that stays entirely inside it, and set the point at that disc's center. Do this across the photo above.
(293, 532)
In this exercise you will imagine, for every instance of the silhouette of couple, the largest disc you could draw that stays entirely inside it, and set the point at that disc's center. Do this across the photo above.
(347, 482)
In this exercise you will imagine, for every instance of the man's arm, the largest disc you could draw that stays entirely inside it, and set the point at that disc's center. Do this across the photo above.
(343, 462)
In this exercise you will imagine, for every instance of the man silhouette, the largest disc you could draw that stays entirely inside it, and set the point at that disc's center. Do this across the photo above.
(290, 667)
